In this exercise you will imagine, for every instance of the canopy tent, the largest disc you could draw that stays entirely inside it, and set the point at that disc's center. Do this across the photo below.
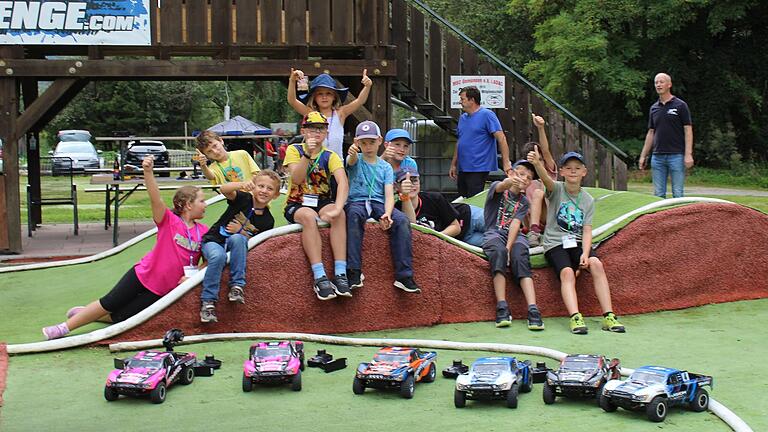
(239, 125)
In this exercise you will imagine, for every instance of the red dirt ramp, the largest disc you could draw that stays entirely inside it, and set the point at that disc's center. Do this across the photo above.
(678, 258)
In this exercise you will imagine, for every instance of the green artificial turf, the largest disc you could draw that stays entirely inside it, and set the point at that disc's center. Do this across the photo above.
(64, 390)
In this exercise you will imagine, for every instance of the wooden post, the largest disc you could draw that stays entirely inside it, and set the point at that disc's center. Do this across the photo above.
(605, 173)
(589, 156)
(380, 104)
(621, 174)
(29, 92)
(10, 219)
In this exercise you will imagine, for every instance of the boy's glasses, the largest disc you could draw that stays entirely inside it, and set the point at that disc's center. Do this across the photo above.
(315, 129)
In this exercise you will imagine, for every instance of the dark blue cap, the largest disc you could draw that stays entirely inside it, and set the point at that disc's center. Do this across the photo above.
(326, 81)
(571, 155)
(529, 166)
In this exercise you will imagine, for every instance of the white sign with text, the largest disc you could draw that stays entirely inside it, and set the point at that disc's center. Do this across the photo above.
(492, 89)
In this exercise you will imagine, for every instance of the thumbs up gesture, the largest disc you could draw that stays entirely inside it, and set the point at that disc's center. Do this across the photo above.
(366, 81)
(406, 186)
(534, 157)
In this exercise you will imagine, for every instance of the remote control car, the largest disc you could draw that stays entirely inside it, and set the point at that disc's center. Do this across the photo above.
(396, 367)
(654, 389)
(494, 378)
(580, 375)
(274, 363)
(151, 372)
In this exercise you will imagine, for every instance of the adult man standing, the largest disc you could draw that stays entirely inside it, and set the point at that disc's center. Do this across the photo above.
(670, 134)
(479, 135)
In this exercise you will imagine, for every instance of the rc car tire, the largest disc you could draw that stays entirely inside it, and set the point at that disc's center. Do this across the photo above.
(407, 387)
(247, 383)
(158, 393)
(187, 375)
(599, 393)
(606, 403)
(459, 399)
(548, 394)
(431, 374)
(358, 386)
(110, 394)
(700, 401)
(296, 381)
(526, 387)
(512, 396)
(657, 409)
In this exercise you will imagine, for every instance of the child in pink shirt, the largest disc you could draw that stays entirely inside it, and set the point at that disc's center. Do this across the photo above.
(177, 250)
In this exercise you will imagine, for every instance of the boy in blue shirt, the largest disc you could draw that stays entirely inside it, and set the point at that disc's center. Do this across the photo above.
(371, 195)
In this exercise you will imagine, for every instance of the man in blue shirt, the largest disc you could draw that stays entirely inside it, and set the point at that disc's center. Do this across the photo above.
(670, 133)
(479, 135)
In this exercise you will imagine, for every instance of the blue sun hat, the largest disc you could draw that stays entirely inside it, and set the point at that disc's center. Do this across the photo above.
(326, 81)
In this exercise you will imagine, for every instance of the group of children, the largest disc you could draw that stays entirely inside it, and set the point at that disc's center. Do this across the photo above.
(345, 194)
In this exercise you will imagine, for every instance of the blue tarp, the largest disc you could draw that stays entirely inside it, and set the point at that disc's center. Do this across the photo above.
(238, 125)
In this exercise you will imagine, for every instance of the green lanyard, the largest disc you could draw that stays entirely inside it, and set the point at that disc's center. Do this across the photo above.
(372, 182)
(315, 162)
(578, 199)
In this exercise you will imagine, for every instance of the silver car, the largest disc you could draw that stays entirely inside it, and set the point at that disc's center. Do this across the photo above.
(74, 156)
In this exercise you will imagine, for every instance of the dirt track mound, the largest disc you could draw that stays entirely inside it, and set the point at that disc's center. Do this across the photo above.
(678, 258)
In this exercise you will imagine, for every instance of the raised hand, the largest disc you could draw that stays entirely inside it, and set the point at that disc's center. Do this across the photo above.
(538, 121)
(312, 145)
(534, 156)
(296, 74)
(389, 153)
(366, 81)
(406, 186)
(148, 163)
(200, 158)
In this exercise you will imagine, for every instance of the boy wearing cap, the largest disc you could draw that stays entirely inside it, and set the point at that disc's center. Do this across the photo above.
(371, 195)
(397, 145)
(310, 166)
(505, 246)
(432, 209)
(567, 239)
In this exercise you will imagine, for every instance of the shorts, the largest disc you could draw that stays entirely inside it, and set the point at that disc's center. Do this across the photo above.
(128, 297)
(471, 183)
(495, 248)
(560, 258)
(292, 207)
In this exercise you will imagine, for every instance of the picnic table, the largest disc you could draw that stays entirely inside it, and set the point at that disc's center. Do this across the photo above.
(115, 196)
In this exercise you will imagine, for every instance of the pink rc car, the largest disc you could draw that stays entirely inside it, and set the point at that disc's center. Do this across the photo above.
(151, 372)
(274, 363)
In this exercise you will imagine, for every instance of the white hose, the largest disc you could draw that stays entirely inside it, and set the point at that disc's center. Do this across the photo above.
(718, 409)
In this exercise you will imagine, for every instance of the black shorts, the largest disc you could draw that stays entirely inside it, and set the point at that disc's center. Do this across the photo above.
(292, 207)
(471, 183)
(560, 258)
(495, 248)
(128, 297)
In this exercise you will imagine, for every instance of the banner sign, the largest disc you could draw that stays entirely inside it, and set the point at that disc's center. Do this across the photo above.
(75, 22)
(492, 90)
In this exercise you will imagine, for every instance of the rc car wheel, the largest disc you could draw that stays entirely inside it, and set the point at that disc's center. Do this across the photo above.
(358, 386)
(296, 381)
(512, 396)
(110, 394)
(187, 375)
(302, 364)
(459, 399)
(548, 394)
(700, 401)
(657, 409)
(606, 404)
(247, 383)
(526, 387)
(430, 376)
(599, 393)
(407, 387)
(158, 393)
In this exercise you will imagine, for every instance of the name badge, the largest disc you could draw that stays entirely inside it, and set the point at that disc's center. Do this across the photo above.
(569, 241)
(311, 200)
(190, 271)
(368, 208)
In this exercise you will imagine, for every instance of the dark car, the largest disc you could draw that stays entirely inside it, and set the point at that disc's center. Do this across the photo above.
(580, 376)
(138, 150)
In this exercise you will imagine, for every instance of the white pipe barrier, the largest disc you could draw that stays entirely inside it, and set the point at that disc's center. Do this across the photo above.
(718, 409)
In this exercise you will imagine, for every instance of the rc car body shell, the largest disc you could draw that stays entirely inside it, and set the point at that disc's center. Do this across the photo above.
(580, 375)
(145, 371)
(491, 378)
(274, 362)
(391, 366)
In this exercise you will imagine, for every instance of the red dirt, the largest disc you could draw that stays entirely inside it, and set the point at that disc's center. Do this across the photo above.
(3, 369)
(678, 258)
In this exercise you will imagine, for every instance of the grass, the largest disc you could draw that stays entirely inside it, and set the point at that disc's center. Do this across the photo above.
(64, 390)
(744, 177)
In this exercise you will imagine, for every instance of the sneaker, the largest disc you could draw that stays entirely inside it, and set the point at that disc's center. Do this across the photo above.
(355, 278)
(407, 284)
(341, 285)
(577, 324)
(56, 331)
(74, 311)
(503, 317)
(534, 239)
(236, 294)
(208, 312)
(610, 323)
(325, 289)
(534, 319)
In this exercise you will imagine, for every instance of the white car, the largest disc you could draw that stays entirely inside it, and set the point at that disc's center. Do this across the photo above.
(75, 156)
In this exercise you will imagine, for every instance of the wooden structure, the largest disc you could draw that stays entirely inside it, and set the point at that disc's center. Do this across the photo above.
(409, 52)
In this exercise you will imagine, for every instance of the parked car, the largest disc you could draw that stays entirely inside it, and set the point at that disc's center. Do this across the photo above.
(494, 378)
(138, 150)
(580, 376)
(75, 156)
(274, 363)
(74, 135)
(398, 368)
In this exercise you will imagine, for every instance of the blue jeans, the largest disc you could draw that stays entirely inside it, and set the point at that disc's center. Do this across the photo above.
(216, 255)
(672, 165)
(399, 237)
(474, 234)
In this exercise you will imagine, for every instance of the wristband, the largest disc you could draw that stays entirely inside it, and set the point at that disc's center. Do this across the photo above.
(405, 197)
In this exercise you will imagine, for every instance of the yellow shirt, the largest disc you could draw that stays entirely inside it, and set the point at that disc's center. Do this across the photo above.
(318, 179)
(238, 167)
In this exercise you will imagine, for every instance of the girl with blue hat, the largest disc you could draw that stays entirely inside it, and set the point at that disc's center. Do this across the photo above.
(325, 96)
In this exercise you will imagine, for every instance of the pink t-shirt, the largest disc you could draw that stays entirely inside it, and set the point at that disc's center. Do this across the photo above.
(160, 270)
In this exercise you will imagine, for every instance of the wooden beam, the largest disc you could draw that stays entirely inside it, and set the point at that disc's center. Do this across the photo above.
(37, 109)
(190, 69)
(10, 220)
